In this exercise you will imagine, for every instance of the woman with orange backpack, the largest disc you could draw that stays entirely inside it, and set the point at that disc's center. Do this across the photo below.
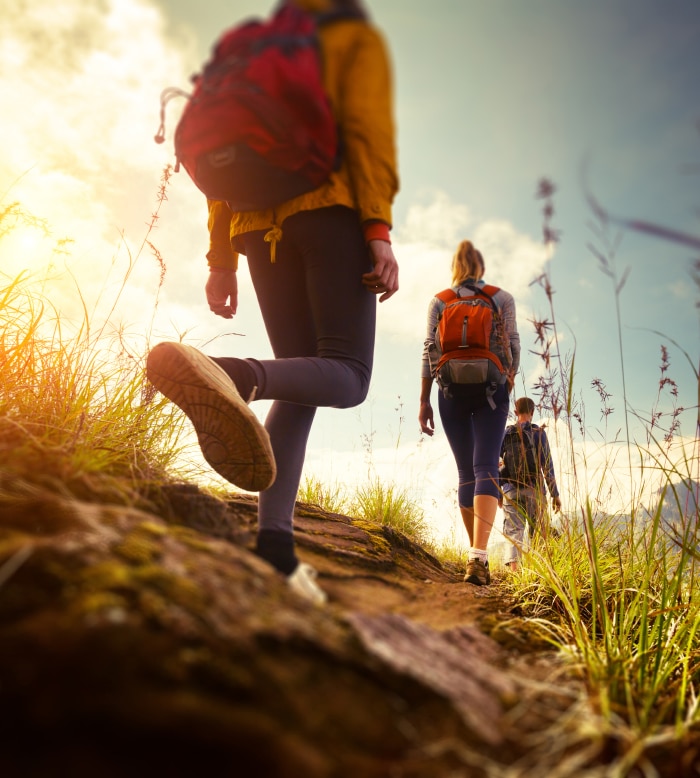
(472, 350)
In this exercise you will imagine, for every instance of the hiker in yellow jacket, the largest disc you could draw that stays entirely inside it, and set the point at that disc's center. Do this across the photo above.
(317, 262)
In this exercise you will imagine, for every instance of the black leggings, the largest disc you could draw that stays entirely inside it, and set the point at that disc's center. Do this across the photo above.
(320, 320)
(475, 432)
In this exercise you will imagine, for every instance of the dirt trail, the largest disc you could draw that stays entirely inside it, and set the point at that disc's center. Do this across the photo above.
(152, 636)
(375, 570)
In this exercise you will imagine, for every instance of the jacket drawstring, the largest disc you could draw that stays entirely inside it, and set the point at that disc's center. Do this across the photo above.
(273, 237)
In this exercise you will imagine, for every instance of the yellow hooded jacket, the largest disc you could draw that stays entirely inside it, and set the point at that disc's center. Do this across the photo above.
(358, 80)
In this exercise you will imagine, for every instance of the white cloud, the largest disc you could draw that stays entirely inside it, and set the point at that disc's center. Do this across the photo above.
(513, 260)
(440, 223)
(83, 81)
(424, 246)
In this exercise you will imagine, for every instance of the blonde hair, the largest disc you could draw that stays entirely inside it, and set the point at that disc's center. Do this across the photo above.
(467, 263)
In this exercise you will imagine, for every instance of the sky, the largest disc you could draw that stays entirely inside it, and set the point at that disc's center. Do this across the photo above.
(600, 97)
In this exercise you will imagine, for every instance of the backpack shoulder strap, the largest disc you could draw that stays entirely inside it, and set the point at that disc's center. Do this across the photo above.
(508, 431)
(447, 295)
(486, 291)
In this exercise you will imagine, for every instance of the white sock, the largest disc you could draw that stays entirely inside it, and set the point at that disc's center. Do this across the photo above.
(477, 553)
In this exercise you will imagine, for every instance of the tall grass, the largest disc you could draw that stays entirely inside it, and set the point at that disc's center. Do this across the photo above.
(373, 501)
(621, 596)
(390, 505)
(76, 413)
(329, 497)
(618, 592)
(72, 407)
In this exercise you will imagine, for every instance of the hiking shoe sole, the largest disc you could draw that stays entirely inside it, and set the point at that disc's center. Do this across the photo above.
(232, 439)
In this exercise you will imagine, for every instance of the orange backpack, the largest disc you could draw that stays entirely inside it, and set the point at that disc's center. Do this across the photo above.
(468, 330)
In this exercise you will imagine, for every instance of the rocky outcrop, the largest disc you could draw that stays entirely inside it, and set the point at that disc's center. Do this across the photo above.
(151, 641)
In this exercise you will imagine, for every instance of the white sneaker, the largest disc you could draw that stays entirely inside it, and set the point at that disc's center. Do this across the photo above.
(232, 439)
(303, 582)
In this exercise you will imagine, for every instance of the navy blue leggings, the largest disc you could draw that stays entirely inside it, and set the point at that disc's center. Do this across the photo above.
(475, 432)
(320, 320)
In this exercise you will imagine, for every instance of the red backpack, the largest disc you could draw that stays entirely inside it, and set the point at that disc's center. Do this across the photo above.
(467, 336)
(258, 128)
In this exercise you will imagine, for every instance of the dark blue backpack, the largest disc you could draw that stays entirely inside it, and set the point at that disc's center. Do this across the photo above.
(519, 454)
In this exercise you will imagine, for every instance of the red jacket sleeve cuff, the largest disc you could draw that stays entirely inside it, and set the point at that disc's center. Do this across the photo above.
(376, 231)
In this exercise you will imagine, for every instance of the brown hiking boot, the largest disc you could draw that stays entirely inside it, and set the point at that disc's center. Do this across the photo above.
(231, 437)
(477, 573)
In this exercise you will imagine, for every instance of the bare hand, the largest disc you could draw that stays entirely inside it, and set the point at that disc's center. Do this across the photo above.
(222, 292)
(384, 279)
(425, 417)
(556, 504)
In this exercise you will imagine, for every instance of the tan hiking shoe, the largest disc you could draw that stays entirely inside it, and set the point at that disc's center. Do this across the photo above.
(477, 573)
(231, 437)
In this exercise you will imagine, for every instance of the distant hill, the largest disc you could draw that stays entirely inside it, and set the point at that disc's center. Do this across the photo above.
(680, 502)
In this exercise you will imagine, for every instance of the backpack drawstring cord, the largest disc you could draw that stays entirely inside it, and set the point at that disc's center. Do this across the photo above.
(165, 96)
